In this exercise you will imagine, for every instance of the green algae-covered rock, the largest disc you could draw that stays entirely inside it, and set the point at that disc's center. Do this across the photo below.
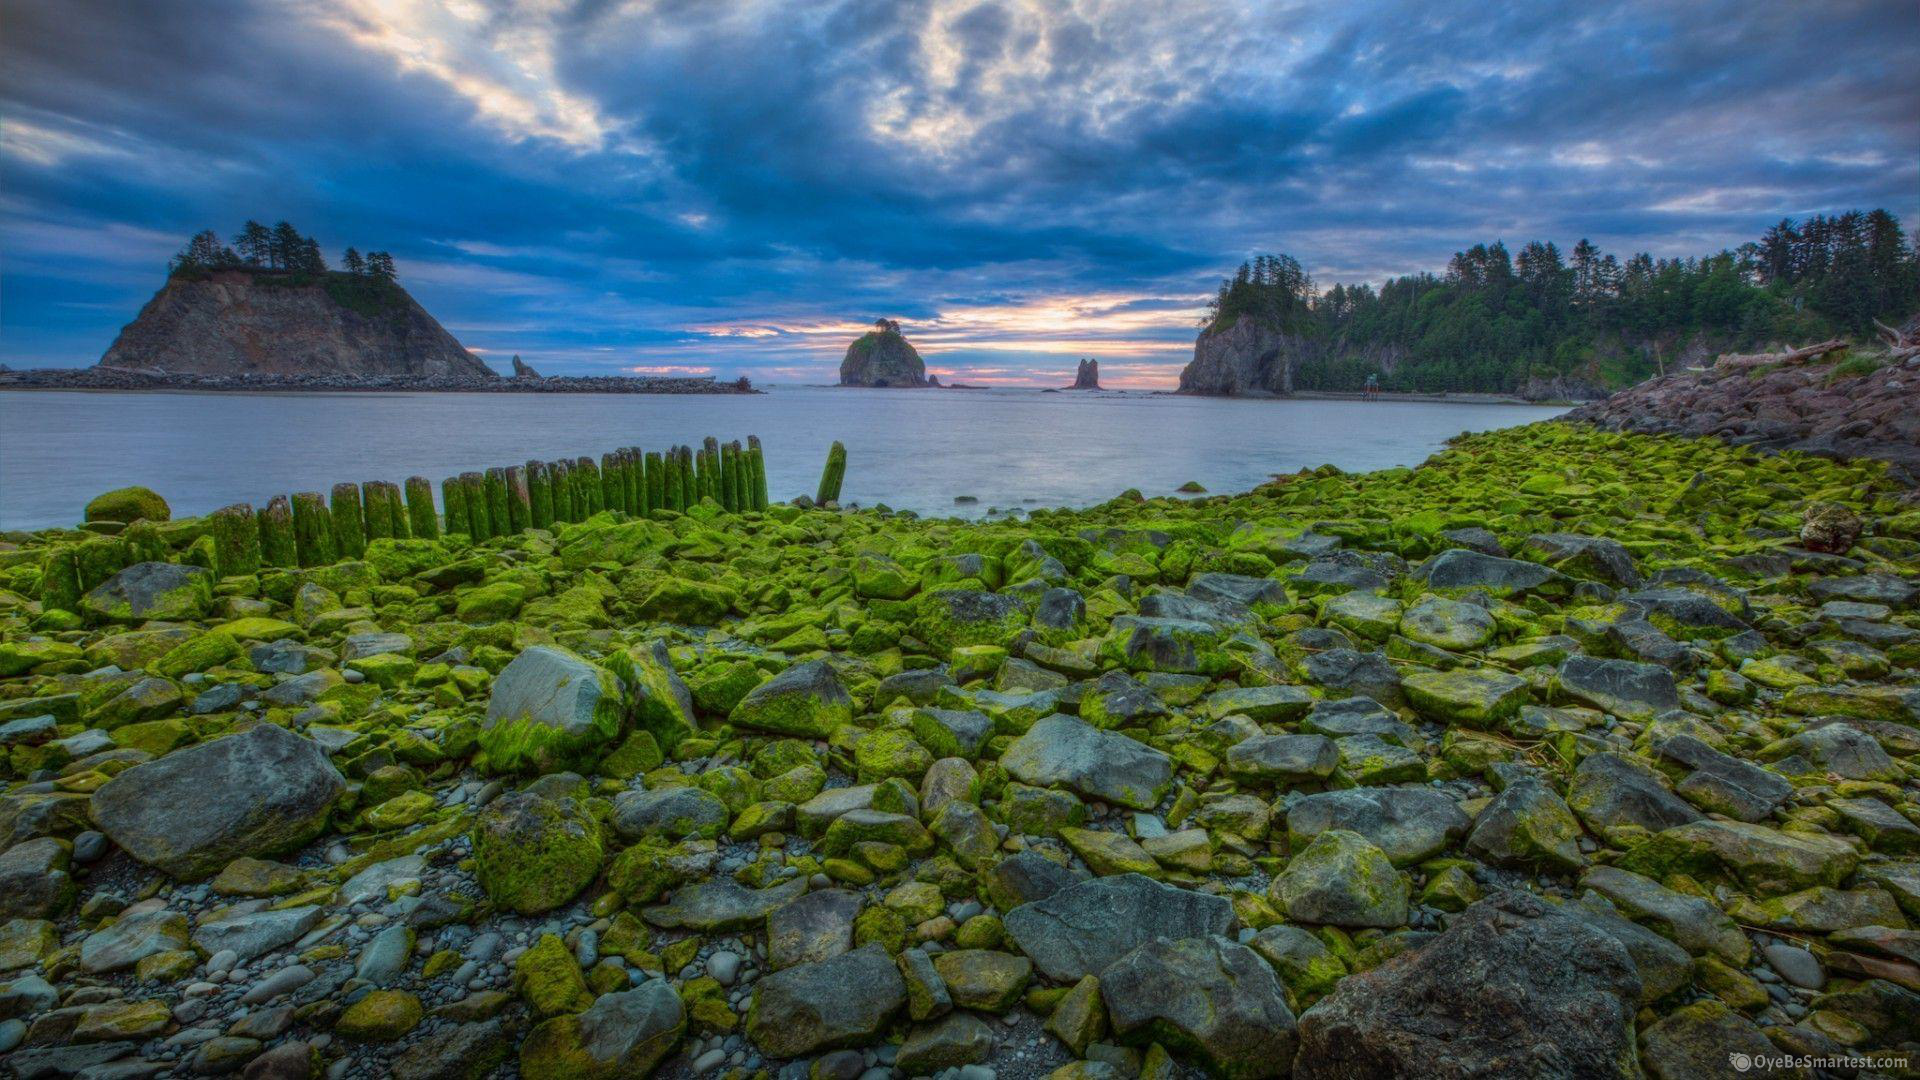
(1065, 751)
(1765, 861)
(550, 979)
(661, 705)
(1341, 879)
(551, 711)
(622, 1035)
(533, 854)
(148, 591)
(1210, 998)
(807, 700)
(1478, 699)
(950, 618)
(128, 504)
(381, 1016)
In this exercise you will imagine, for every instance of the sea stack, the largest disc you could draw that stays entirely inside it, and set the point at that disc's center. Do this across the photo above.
(522, 369)
(252, 321)
(1086, 376)
(882, 357)
(1248, 357)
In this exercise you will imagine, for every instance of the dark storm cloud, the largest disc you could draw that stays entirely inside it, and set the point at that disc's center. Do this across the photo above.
(737, 187)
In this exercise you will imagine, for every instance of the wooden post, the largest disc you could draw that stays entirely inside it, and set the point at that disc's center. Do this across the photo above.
(499, 505)
(587, 487)
(349, 522)
(759, 478)
(656, 482)
(453, 500)
(539, 495)
(689, 487)
(420, 515)
(312, 529)
(519, 499)
(560, 478)
(236, 540)
(832, 475)
(276, 534)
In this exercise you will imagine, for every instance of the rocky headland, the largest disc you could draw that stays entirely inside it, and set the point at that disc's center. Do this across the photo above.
(1567, 753)
(1248, 357)
(882, 357)
(1828, 399)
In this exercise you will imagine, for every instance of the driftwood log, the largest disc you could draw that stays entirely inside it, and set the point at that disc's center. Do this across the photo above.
(1902, 344)
(1741, 362)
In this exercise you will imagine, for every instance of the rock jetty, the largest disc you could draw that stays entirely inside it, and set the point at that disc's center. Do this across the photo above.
(881, 357)
(1561, 754)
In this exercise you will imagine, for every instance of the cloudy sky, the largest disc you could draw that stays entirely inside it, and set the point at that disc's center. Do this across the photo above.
(738, 186)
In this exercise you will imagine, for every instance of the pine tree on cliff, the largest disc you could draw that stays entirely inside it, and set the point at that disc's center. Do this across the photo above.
(353, 263)
(380, 266)
(285, 246)
(255, 243)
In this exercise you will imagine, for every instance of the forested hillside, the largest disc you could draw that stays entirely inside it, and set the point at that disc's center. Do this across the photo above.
(1496, 320)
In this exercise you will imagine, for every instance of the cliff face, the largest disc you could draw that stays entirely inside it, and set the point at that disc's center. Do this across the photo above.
(1247, 359)
(236, 322)
(881, 357)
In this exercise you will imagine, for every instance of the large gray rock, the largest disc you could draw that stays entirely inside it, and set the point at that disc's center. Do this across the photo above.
(1458, 568)
(1209, 997)
(722, 904)
(1622, 687)
(844, 1001)
(551, 711)
(151, 590)
(1410, 825)
(1069, 752)
(1614, 793)
(1515, 987)
(1527, 825)
(675, 813)
(1594, 557)
(1341, 879)
(261, 792)
(1079, 930)
(621, 1034)
(252, 933)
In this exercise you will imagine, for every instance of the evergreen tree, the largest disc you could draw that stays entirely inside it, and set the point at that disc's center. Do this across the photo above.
(284, 246)
(203, 252)
(352, 261)
(380, 266)
(255, 243)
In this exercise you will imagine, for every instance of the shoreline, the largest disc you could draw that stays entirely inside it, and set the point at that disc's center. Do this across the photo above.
(124, 381)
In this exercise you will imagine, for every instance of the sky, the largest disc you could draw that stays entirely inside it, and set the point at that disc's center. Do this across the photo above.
(741, 186)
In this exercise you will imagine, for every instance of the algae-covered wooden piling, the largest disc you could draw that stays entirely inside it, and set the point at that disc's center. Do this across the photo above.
(312, 529)
(277, 547)
(689, 488)
(420, 514)
(539, 495)
(519, 499)
(453, 501)
(613, 484)
(586, 498)
(349, 521)
(236, 540)
(656, 482)
(561, 485)
(499, 505)
(758, 481)
(373, 503)
(636, 481)
(831, 476)
(473, 488)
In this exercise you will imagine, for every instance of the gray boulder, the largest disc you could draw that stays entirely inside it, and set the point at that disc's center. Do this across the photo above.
(1065, 751)
(551, 711)
(1209, 997)
(1515, 987)
(1410, 825)
(843, 1001)
(151, 590)
(261, 792)
(1622, 687)
(1081, 929)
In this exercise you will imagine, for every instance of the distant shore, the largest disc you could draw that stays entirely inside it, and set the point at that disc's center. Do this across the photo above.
(123, 380)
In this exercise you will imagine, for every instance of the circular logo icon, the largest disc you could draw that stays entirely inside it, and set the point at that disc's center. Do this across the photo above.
(1740, 1062)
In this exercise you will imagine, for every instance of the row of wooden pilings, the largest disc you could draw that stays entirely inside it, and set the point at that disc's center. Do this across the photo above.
(309, 529)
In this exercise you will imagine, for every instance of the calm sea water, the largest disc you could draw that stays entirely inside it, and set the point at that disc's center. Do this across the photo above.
(914, 450)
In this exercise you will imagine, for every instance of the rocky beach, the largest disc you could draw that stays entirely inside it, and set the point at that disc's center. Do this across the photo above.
(1567, 753)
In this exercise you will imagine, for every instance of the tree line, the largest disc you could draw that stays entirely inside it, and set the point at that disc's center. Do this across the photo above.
(282, 248)
(1496, 319)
